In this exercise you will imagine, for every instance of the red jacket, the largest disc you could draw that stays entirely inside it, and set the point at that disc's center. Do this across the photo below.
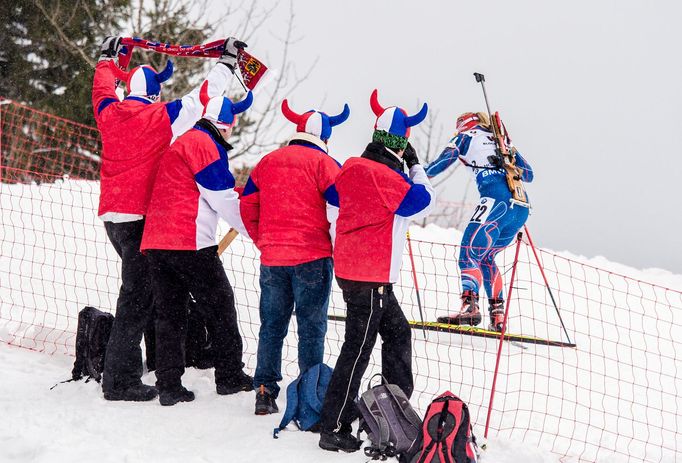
(288, 204)
(193, 188)
(376, 205)
(135, 132)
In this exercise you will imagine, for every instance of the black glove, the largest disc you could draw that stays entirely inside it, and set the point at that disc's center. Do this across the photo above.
(229, 56)
(110, 48)
(410, 156)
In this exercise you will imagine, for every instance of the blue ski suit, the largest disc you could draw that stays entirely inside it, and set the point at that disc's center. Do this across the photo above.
(495, 220)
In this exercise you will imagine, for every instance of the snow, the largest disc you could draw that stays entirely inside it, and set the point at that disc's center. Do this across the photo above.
(613, 398)
(73, 423)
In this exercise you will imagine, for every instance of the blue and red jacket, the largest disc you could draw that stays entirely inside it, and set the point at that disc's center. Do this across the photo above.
(377, 202)
(473, 148)
(193, 188)
(289, 205)
(135, 133)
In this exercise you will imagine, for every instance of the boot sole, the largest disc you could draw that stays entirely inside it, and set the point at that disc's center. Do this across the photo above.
(121, 397)
(260, 411)
(168, 403)
(336, 448)
(234, 390)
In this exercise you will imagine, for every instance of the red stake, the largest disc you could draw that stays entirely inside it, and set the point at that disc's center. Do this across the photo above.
(504, 329)
(416, 285)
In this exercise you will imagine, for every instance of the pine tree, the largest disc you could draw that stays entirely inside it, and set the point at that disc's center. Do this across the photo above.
(49, 50)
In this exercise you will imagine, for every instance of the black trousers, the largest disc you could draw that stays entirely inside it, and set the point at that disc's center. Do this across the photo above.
(123, 361)
(175, 274)
(371, 311)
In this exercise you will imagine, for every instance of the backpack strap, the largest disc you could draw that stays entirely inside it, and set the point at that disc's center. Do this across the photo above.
(409, 413)
(369, 399)
(292, 407)
(309, 388)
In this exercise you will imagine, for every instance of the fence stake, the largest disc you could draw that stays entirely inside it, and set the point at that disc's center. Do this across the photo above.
(504, 329)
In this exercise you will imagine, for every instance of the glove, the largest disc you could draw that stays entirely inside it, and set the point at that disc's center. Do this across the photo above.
(229, 56)
(110, 48)
(410, 156)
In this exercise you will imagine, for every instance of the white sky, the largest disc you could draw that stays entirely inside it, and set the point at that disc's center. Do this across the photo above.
(590, 91)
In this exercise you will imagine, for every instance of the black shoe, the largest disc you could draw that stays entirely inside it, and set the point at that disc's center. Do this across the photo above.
(175, 395)
(137, 393)
(237, 383)
(265, 402)
(342, 440)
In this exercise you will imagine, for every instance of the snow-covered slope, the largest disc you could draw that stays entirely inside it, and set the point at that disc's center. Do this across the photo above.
(613, 398)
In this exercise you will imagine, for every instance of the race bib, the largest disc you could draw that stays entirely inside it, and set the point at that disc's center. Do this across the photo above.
(482, 210)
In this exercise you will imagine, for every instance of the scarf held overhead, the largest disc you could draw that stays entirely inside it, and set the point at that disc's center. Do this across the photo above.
(252, 69)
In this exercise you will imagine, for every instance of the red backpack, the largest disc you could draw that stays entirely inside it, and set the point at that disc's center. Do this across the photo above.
(446, 435)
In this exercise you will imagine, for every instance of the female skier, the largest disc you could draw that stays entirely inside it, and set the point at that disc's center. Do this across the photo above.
(496, 219)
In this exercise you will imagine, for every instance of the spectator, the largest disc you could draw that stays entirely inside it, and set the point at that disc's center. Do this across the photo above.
(135, 133)
(377, 202)
(289, 207)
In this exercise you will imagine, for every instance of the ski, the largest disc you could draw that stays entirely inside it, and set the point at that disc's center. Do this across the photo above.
(473, 331)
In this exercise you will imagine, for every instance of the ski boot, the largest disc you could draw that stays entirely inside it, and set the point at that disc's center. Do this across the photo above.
(468, 314)
(496, 314)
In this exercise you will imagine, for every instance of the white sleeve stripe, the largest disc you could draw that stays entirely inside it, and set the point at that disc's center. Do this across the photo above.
(191, 111)
(226, 204)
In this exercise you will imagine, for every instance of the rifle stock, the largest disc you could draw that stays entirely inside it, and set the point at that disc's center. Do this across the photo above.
(227, 240)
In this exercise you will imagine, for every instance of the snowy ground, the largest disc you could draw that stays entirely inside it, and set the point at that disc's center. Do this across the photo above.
(613, 398)
(73, 423)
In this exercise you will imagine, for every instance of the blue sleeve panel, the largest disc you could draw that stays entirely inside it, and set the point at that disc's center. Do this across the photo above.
(250, 188)
(216, 176)
(331, 195)
(105, 102)
(456, 148)
(526, 169)
(416, 200)
(173, 109)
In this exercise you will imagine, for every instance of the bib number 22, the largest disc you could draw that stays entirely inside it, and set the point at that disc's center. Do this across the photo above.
(482, 210)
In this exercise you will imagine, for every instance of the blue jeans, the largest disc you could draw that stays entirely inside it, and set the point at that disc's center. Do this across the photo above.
(305, 286)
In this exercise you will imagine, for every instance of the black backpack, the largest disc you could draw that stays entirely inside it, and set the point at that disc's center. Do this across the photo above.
(445, 435)
(94, 328)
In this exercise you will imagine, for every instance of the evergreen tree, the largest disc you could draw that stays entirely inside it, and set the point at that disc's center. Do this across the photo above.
(49, 50)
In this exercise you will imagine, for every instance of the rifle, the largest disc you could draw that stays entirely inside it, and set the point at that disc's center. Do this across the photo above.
(504, 158)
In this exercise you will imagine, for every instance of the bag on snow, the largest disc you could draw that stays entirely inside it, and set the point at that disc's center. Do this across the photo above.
(305, 397)
(389, 420)
(94, 328)
(445, 435)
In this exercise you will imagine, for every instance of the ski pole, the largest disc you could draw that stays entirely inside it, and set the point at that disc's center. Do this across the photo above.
(544, 277)
(416, 285)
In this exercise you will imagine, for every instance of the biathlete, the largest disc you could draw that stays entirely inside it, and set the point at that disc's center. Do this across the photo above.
(495, 221)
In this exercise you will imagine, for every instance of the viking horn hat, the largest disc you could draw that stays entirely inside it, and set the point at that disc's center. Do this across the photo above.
(222, 111)
(143, 80)
(316, 123)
